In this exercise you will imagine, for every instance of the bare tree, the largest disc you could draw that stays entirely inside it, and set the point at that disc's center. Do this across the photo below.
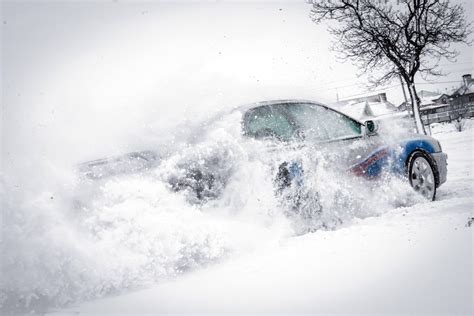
(402, 38)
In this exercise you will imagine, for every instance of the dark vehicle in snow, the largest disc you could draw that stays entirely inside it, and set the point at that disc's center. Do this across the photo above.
(360, 149)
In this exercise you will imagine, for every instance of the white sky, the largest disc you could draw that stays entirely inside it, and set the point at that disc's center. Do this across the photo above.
(256, 42)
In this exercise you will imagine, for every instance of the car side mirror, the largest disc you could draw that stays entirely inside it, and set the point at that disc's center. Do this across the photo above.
(371, 127)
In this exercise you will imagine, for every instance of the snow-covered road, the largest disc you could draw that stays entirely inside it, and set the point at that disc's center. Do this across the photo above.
(410, 260)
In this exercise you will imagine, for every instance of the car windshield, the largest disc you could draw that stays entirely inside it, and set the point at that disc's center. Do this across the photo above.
(288, 121)
(319, 123)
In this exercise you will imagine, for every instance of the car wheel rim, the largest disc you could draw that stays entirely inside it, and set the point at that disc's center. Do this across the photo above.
(422, 177)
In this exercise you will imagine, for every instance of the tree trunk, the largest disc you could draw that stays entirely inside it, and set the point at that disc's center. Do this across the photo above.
(415, 101)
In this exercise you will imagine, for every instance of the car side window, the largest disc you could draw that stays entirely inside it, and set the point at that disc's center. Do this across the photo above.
(268, 122)
(322, 124)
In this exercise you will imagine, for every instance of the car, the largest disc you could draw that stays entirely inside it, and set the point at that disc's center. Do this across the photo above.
(349, 145)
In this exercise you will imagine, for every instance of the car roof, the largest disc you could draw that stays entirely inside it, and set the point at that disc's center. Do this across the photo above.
(246, 107)
(249, 106)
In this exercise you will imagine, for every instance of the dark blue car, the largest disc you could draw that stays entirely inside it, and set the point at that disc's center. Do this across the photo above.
(418, 157)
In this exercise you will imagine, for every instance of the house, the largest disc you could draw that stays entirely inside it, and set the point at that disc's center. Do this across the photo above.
(427, 98)
(442, 99)
(366, 107)
(436, 107)
(436, 113)
(462, 99)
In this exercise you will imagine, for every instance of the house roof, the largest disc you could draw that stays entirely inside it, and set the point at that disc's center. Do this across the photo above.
(441, 96)
(428, 98)
(435, 106)
(465, 89)
(425, 101)
(358, 110)
(381, 108)
(428, 94)
(379, 97)
(364, 110)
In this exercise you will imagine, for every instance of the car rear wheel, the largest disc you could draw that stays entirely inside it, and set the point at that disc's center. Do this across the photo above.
(422, 175)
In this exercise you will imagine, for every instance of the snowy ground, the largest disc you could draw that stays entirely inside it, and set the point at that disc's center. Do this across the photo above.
(409, 260)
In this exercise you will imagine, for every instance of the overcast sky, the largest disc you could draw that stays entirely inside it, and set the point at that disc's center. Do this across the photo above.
(256, 42)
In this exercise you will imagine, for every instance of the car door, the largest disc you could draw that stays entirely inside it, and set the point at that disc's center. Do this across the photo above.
(340, 138)
(268, 122)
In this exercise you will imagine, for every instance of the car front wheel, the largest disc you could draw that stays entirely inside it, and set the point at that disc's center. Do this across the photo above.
(421, 175)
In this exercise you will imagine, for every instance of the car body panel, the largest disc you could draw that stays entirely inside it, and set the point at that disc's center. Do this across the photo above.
(369, 155)
(394, 158)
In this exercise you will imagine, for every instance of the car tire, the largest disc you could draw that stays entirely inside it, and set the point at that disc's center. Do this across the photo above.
(282, 179)
(423, 174)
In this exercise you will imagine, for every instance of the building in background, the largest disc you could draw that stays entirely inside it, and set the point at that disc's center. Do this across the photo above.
(462, 100)
(367, 107)
(436, 107)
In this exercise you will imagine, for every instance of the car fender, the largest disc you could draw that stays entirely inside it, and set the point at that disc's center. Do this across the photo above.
(394, 158)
